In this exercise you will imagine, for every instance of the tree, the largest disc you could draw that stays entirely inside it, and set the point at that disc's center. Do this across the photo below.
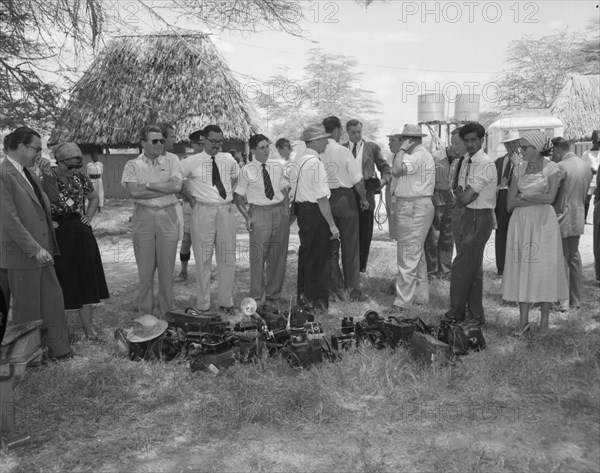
(538, 69)
(588, 48)
(330, 85)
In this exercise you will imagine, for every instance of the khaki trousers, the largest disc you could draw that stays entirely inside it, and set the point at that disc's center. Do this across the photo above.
(268, 245)
(155, 233)
(213, 231)
(413, 220)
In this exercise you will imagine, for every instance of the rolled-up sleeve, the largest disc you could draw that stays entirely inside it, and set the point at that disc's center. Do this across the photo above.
(483, 175)
(130, 173)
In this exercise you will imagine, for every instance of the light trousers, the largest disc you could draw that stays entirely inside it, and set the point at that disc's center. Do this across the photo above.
(213, 231)
(155, 234)
(268, 246)
(414, 217)
(574, 270)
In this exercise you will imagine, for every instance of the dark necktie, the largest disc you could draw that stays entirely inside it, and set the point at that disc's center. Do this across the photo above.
(216, 179)
(267, 180)
(36, 189)
(457, 174)
(354, 150)
(507, 175)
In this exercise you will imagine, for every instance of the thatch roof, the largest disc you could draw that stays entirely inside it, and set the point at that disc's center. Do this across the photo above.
(137, 81)
(578, 106)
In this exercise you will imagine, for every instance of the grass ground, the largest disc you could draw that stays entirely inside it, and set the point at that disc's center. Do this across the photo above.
(518, 406)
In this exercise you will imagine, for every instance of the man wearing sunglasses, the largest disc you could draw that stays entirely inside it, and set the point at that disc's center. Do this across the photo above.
(153, 180)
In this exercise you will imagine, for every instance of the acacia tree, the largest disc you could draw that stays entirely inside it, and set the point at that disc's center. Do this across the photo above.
(538, 69)
(330, 85)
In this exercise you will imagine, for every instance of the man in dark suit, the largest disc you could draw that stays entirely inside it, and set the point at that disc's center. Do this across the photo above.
(504, 168)
(369, 156)
(28, 243)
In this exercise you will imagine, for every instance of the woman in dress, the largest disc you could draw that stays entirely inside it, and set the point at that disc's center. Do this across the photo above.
(534, 266)
(79, 266)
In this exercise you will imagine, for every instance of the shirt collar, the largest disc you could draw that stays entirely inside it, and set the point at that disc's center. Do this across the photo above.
(568, 155)
(159, 160)
(476, 156)
(19, 166)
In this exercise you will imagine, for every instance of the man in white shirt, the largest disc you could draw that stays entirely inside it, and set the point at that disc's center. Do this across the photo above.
(153, 180)
(310, 195)
(263, 184)
(472, 224)
(210, 182)
(343, 175)
(413, 170)
(368, 156)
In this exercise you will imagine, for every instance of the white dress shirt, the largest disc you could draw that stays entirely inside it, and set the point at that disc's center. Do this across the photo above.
(341, 167)
(481, 175)
(308, 178)
(419, 180)
(197, 169)
(252, 184)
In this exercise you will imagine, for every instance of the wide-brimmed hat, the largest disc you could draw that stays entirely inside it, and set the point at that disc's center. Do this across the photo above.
(412, 131)
(67, 150)
(538, 140)
(314, 132)
(509, 135)
(145, 328)
(395, 132)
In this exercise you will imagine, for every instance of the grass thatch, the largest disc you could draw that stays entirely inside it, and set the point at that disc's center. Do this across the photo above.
(137, 81)
(578, 106)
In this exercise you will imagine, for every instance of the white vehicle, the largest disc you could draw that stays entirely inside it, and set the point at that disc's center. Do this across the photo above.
(522, 121)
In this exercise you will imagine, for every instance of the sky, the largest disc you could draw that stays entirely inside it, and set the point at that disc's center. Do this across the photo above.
(403, 49)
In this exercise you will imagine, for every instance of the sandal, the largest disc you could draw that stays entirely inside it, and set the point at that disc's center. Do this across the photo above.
(523, 332)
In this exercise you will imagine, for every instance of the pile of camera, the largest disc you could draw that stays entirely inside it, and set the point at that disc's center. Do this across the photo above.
(209, 343)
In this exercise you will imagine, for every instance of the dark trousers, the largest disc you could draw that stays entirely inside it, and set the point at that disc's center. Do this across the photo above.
(345, 216)
(314, 270)
(586, 205)
(597, 240)
(574, 269)
(440, 241)
(472, 229)
(503, 219)
(365, 233)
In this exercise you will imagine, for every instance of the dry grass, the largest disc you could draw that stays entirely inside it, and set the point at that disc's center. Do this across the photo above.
(516, 407)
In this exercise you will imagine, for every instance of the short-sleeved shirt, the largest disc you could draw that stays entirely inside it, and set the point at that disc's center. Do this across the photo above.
(95, 169)
(252, 185)
(479, 172)
(197, 169)
(142, 170)
(341, 167)
(419, 180)
(308, 178)
(71, 196)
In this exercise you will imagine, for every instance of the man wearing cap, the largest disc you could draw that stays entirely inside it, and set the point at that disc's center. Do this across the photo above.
(344, 175)
(439, 244)
(27, 240)
(504, 170)
(310, 197)
(414, 169)
(472, 224)
(210, 182)
(575, 179)
(153, 180)
(368, 156)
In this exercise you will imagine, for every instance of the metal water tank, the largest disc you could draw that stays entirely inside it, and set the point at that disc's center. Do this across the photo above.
(466, 108)
(430, 108)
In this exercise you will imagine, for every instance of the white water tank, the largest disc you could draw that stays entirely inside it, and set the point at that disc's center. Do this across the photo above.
(466, 108)
(430, 108)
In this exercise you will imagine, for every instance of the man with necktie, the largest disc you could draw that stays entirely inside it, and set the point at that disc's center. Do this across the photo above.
(262, 182)
(368, 156)
(28, 243)
(504, 169)
(211, 177)
(472, 224)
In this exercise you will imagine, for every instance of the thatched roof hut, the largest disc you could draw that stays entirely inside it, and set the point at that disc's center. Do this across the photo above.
(137, 81)
(578, 106)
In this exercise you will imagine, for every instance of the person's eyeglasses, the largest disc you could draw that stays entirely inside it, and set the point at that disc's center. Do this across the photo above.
(37, 150)
(524, 147)
(157, 141)
(215, 142)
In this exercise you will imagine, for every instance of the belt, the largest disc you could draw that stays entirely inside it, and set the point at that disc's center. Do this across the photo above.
(63, 217)
(95, 176)
(212, 204)
(156, 207)
(503, 189)
(341, 189)
(270, 206)
(478, 210)
(415, 198)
